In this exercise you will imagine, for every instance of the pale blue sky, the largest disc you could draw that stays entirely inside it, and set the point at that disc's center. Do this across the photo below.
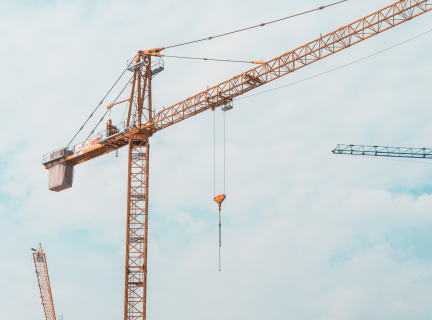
(306, 234)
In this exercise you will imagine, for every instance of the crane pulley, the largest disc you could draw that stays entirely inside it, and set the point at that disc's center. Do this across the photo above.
(141, 124)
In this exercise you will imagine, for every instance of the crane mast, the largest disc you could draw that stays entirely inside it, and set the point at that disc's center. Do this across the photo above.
(141, 124)
(39, 259)
(137, 204)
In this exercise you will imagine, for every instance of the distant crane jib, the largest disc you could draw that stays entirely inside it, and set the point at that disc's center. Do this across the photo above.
(378, 151)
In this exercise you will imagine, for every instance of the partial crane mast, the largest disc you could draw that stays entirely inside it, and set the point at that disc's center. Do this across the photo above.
(137, 195)
(375, 151)
(39, 259)
(141, 124)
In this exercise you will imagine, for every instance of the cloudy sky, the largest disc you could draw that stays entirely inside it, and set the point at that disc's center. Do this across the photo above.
(306, 234)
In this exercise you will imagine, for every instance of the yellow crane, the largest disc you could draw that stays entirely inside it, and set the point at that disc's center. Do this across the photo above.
(141, 123)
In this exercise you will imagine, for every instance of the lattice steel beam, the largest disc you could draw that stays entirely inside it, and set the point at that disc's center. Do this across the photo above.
(314, 51)
(44, 283)
(397, 152)
(136, 234)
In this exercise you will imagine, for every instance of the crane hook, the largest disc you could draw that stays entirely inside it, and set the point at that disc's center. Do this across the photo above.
(219, 199)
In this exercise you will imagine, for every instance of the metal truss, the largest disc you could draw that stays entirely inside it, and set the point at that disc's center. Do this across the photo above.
(44, 283)
(141, 89)
(318, 49)
(136, 234)
(396, 152)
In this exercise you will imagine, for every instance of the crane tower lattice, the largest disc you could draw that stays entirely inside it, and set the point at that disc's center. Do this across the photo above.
(39, 259)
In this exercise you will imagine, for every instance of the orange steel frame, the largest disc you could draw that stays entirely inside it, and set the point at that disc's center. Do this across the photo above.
(136, 234)
(137, 205)
(217, 96)
(44, 283)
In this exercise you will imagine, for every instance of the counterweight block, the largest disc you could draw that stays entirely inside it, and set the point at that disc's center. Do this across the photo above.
(60, 177)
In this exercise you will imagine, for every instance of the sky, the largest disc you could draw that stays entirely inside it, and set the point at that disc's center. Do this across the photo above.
(305, 234)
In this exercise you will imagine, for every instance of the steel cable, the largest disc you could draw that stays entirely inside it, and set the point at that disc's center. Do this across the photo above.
(222, 60)
(214, 152)
(224, 147)
(99, 104)
(109, 108)
(258, 25)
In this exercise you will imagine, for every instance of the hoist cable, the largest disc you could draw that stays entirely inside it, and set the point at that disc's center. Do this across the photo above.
(214, 153)
(328, 71)
(224, 148)
(99, 105)
(220, 239)
(258, 25)
(214, 181)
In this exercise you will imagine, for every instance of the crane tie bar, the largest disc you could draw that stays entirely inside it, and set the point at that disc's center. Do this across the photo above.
(209, 59)
(259, 25)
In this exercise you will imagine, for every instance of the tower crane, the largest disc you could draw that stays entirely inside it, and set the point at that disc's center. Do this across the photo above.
(375, 151)
(142, 123)
(39, 259)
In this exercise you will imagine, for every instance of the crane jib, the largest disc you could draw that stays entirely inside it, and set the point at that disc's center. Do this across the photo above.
(225, 92)
(318, 49)
(394, 152)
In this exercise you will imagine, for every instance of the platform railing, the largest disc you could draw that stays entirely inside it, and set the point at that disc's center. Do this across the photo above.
(100, 138)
